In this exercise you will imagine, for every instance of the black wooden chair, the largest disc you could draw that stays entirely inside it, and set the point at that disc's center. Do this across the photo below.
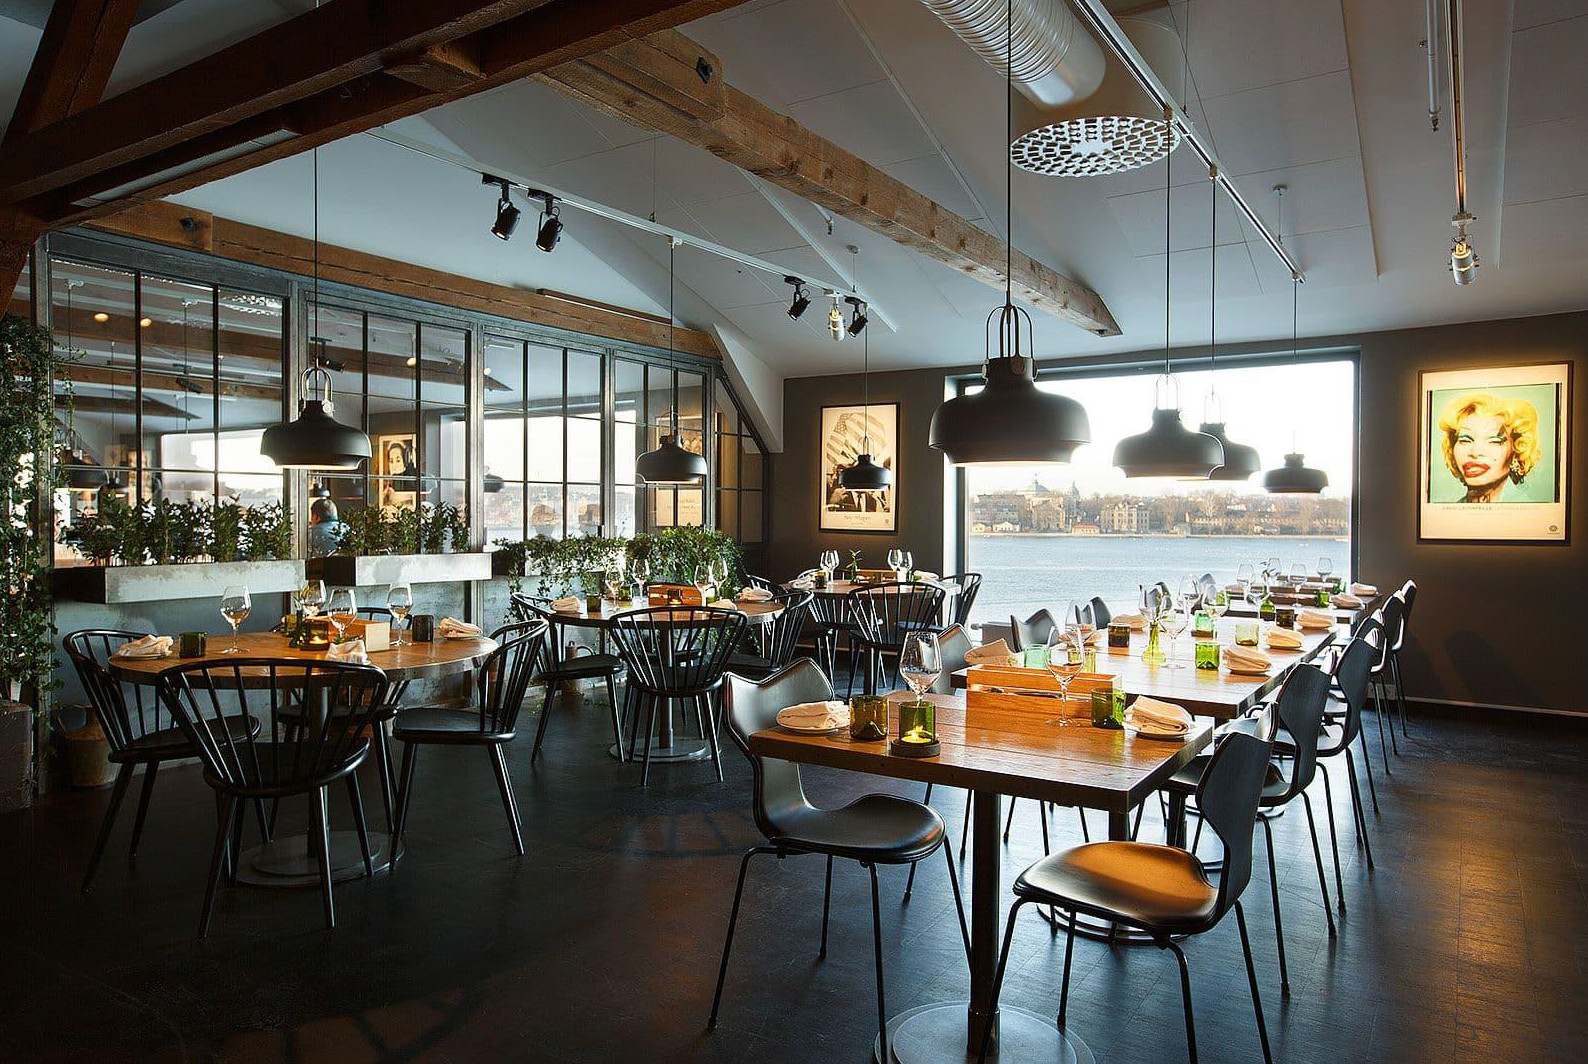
(242, 768)
(1163, 890)
(778, 639)
(557, 669)
(958, 605)
(1035, 631)
(500, 687)
(830, 626)
(677, 655)
(138, 727)
(875, 829)
(884, 615)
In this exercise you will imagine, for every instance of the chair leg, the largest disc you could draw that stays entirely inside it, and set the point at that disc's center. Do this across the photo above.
(356, 800)
(959, 901)
(1069, 953)
(540, 726)
(1361, 813)
(1383, 743)
(1135, 829)
(1042, 818)
(1367, 765)
(1009, 821)
(405, 794)
(733, 921)
(1381, 700)
(1086, 832)
(265, 826)
(144, 792)
(1279, 924)
(1251, 979)
(237, 842)
(964, 828)
(827, 901)
(854, 657)
(217, 860)
(1185, 994)
(709, 725)
(504, 783)
(1334, 835)
(876, 938)
(381, 749)
(1400, 692)
(321, 830)
(998, 984)
(1317, 857)
(632, 701)
(650, 703)
(612, 704)
(123, 778)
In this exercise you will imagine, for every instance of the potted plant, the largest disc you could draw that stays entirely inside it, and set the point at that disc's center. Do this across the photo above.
(415, 545)
(673, 554)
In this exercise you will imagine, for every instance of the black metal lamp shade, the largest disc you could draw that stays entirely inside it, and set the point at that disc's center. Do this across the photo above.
(1295, 477)
(1240, 461)
(1010, 420)
(670, 464)
(1169, 449)
(866, 475)
(492, 483)
(316, 440)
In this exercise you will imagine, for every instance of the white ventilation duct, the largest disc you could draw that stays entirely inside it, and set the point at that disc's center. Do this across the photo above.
(1078, 114)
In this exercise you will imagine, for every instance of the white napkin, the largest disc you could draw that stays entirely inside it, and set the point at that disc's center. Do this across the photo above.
(995, 653)
(922, 574)
(814, 715)
(1136, 621)
(755, 594)
(1350, 602)
(150, 646)
(351, 651)
(804, 583)
(1246, 659)
(724, 604)
(566, 604)
(1283, 639)
(1368, 590)
(452, 628)
(1150, 714)
(1314, 619)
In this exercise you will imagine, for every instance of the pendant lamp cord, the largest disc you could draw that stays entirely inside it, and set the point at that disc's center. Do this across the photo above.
(672, 328)
(1168, 205)
(1213, 288)
(865, 360)
(1009, 164)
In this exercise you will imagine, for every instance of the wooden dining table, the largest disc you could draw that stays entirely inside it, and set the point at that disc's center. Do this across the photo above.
(288, 861)
(993, 752)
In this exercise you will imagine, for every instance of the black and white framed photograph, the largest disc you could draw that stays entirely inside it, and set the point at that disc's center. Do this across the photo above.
(848, 432)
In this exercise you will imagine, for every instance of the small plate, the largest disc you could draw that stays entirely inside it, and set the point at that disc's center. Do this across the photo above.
(1246, 672)
(144, 657)
(1163, 736)
(839, 730)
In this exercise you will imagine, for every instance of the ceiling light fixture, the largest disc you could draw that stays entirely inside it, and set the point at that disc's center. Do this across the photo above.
(1240, 461)
(669, 463)
(506, 215)
(1295, 477)
(835, 317)
(865, 474)
(550, 227)
(101, 317)
(857, 317)
(1011, 420)
(801, 302)
(1463, 255)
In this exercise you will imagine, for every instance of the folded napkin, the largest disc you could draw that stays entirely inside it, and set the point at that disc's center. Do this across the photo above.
(814, 715)
(150, 646)
(566, 604)
(351, 651)
(1283, 639)
(995, 653)
(1314, 619)
(1246, 659)
(452, 628)
(724, 604)
(755, 594)
(1152, 715)
(1350, 602)
(804, 583)
(922, 574)
(1368, 590)
(1136, 621)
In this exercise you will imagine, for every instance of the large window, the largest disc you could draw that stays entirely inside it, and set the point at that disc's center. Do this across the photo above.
(740, 473)
(1043, 536)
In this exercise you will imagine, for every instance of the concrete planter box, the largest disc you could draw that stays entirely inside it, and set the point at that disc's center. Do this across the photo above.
(16, 755)
(380, 569)
(117, 584)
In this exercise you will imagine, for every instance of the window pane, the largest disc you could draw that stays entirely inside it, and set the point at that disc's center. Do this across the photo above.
(750, 463)
(21, 295)
(691, 506)
(584, 384)
(545, 413)
(343, 353)
(728, 461)
(728, 512)
(629, 400)
(177, 392)
(393, 367)
(658, 401)
(504, 513)
(584, 449)
(94, 315)
(252, 370)
(727, 416)
(504, 413)
(691, 397)
(584, 506)
(750, 524)
(443, 390)
(624, 517)
(545, 510)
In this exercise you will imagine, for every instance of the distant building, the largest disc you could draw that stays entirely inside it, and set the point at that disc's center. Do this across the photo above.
(1085, 529)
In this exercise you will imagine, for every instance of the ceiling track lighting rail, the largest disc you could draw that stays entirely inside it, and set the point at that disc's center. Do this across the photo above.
(1463, 255)
(1101, 22)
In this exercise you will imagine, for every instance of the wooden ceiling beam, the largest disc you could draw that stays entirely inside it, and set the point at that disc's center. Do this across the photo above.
(655, 84)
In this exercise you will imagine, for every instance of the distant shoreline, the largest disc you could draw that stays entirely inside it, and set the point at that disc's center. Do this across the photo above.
(1155, 535)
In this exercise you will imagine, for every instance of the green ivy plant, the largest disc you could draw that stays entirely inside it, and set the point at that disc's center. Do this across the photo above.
(559, 565)
(429, 529)
(674, 553)
(163, 532)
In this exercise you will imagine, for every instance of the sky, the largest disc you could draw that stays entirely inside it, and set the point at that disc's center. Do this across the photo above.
(1271, 408)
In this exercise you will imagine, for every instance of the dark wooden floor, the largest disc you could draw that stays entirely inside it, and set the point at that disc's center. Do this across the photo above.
(1470, 942)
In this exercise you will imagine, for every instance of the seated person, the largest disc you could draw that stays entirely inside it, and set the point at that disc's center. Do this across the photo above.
(325, 528)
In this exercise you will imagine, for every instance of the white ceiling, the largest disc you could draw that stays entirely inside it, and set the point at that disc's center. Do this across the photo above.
(1325, 96)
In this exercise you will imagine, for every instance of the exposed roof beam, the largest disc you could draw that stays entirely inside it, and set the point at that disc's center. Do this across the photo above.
(658, 84)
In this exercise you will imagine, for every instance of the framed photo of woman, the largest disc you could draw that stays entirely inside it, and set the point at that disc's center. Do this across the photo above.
(847, 431)
(397, 466)
(1495, 452)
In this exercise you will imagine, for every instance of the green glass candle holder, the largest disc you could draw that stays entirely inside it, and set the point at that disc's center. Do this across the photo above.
(917, 735)
(1208, 654)
(868, 718)
(1103, 709)
(1246, 633)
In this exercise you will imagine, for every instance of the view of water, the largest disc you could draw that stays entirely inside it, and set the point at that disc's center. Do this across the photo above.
(1022, 574)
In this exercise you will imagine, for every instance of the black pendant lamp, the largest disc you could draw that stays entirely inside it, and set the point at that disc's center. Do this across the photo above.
(1168, 448)
(1011, 420)
(1240, 461)
(865, 474)
(1295, 477)
(316, 440)
(669, 463)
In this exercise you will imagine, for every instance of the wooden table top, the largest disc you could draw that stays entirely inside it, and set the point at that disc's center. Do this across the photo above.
(411, 661)
(754, 612)
(1008, 751)
(1202, 692)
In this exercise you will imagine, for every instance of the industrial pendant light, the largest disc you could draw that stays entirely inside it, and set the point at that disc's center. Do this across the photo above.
(669, 463)
(865, 474)
(1240, 461)
(1168, 448)
(70, 452)
(1011, 420)
(1295, 477)
(316, 440)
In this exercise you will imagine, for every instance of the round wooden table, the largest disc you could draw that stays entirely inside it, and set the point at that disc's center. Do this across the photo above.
(288, 861)
(841, 588)
(666, 746)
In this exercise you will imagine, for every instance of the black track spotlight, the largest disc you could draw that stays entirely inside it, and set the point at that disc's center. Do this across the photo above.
(801, 302)
(857, 320)
(550, 227)
(506, 216)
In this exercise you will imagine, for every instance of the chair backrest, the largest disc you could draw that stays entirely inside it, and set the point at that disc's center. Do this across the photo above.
(953, 643)
(1227, 796)
(1034, 631)
(89, 651)
(786, 629)
(677, 651)
(1353, 671)
(374, 613)
(1156, 594)
(1101, 614)
(208, 697)
(1207, 587)
(759, 582)
(503, 678)
(1394, 615)
(752, 706)
(1301, 705)
(1081, 613)
(1409, 593)
(959, 605)
(885, 614)
(831, 611)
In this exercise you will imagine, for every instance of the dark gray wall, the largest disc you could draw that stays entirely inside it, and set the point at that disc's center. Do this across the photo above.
(1491, 621)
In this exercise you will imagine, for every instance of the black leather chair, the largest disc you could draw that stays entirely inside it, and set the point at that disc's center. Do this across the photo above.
(140, 731)
(205, 697)
(884, 615)
(1342, 727)
(1163, 890)
(1408, 594)
(1034, 631)
(500, 686)
(777, 639)
(1101, 614)
(875, 829)
(556, 669)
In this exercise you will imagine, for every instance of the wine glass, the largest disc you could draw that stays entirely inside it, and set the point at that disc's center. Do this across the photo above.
(400, 600)
(235, 607)
(1271, 568)
(702, 579)
(1065, 658)
(907, 564)
(341, 608)
(1255, 592)
(719, 575)
(1325, 567)
(895, 560)
(311, 597)
(640, 575)
(1218, 603)
(1298, 573)
(1245, 573)
(829, 564)
(1173, 621)
(920, 662)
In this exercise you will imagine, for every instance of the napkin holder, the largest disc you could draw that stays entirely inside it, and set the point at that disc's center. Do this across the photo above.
(1030, 690)
(678, 595)
(375, 634)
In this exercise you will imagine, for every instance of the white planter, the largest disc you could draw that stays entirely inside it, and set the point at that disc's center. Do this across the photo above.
(162, 583)
(382, 569)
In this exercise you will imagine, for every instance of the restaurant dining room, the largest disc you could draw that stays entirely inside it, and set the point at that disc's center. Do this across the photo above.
(912, 531)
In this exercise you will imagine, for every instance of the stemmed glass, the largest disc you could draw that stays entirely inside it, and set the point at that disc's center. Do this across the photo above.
(895, 561)
(235, 607)
(1065, 658)
(400, 600)
(1173, 620)
(311, 597)
(920, 662)
(1325, 567)
(1245, 573)
(1255, 592)
(1298, 573)
(341, 608)
(906, 565)
(702, 579)
(640, 575)
(829, 564)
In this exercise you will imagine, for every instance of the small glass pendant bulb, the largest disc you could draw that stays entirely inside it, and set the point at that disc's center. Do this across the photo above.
(1166, 392)
(1212, 409)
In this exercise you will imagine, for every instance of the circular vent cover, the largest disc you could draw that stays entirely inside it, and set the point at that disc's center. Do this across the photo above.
(1093, 145)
